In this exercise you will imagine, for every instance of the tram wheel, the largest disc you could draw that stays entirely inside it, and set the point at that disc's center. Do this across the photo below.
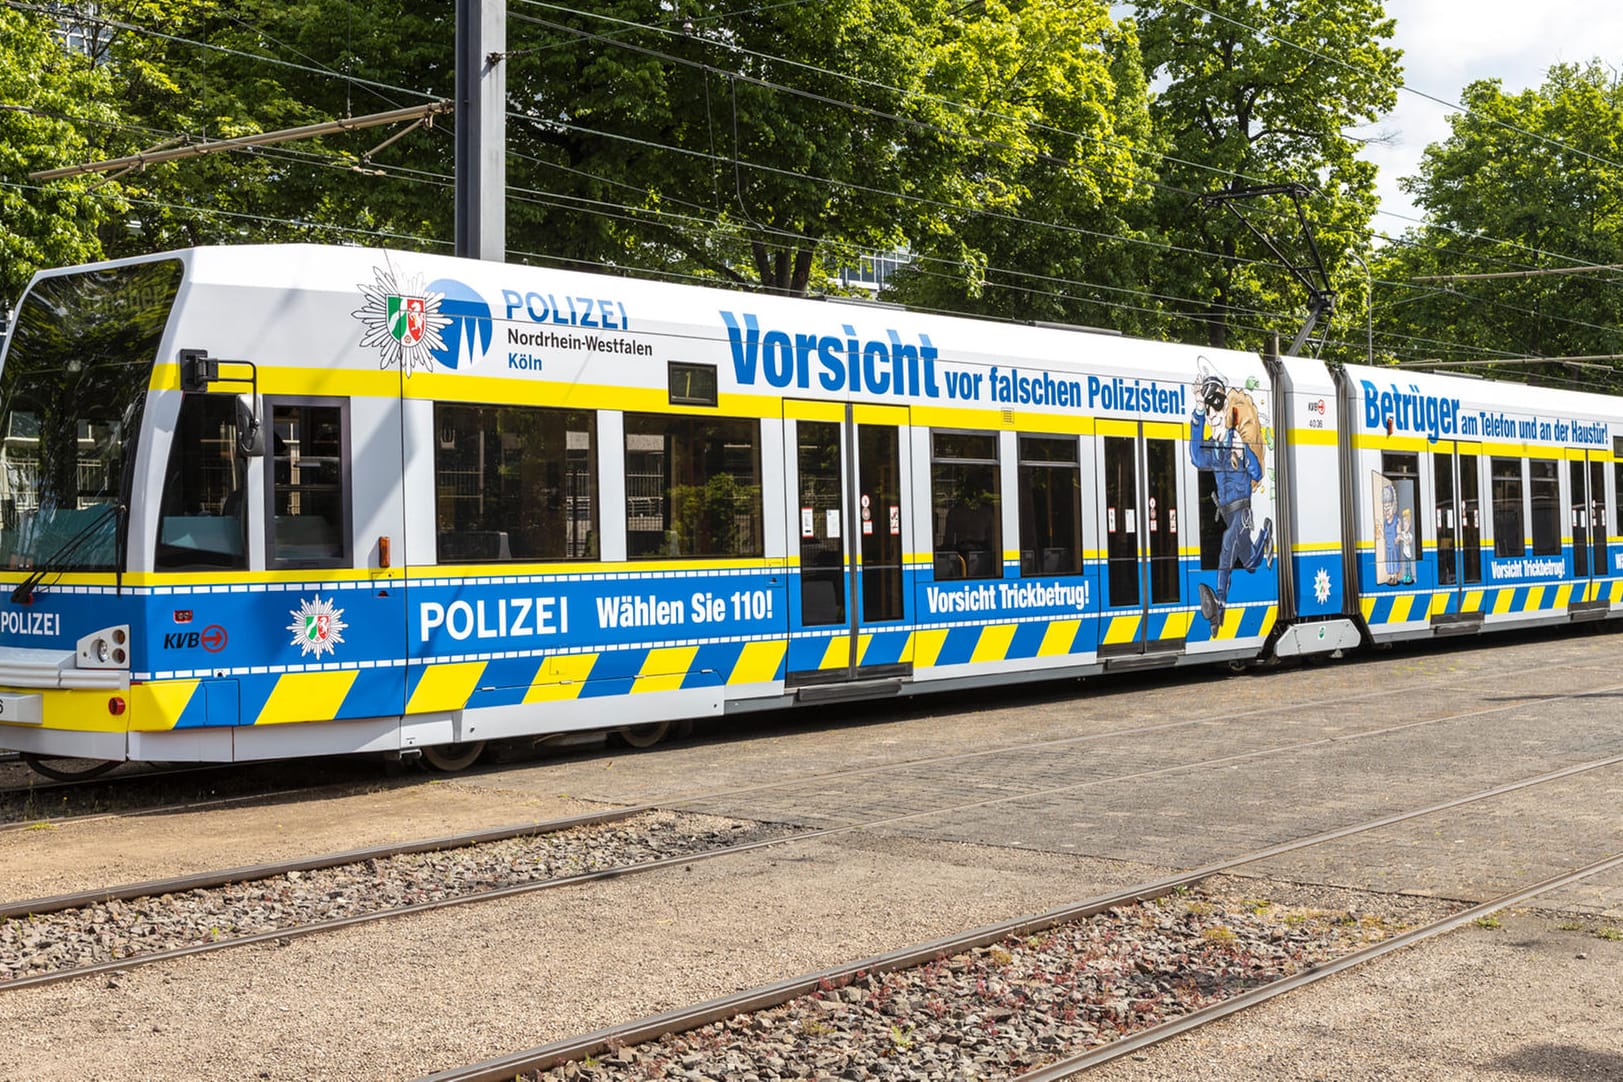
(641, 736)
(66, 768)
(450, 758)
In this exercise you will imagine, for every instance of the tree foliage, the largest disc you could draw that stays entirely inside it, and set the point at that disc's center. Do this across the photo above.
(1525, 181)
(1014, 148)
(1260, 92)
(724, 145)
(768, 146)
(49, 99)
(199, 70)
(1043, 149)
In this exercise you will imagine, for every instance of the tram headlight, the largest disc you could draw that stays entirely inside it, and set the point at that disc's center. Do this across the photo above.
(107, 648)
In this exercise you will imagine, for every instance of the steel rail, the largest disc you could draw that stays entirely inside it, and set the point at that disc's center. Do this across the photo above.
(1095, 1057)
(1137, 893)
(506, 1067)
(300, 931)
(250, 872)
(207, 879)
(164, 809)
(934, 760)
(204, 880)
(52, 787)
(681, 799)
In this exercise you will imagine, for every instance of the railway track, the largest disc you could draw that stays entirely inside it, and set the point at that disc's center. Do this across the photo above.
(873, 770)
(122, 793)
(745, 1022)
(104, 908)
(146, 790)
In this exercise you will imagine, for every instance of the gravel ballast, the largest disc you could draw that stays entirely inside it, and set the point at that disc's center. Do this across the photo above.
(997, 1011)
(118, 930)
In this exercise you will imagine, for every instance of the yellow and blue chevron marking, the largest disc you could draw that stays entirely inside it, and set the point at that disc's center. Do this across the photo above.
(484, 639)
(1421, 605)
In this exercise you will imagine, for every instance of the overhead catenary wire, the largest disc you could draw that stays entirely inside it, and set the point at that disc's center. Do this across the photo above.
(991, 270)
(315, 67)
(418, 113)
(769, 84)
(135, 28)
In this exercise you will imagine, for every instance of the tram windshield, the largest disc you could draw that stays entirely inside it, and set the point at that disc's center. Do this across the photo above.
(72, 391)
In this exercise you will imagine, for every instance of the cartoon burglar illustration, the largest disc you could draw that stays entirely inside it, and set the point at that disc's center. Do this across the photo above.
(1233, 454)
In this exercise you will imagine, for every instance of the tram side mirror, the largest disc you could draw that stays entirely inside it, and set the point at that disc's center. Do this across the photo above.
(250, 440)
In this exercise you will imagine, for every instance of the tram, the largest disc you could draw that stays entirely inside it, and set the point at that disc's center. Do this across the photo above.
(275, 501)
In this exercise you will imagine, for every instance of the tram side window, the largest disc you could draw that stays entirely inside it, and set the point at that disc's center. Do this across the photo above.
(1617, 480)
(693, 486)
(967, 505)
(1545, 488)
(1443, 515)
(201, 522)
(1398, 536)
(309, 462)
(1471, 518)
(1050, 506)
(514, 483)
(1508, 533)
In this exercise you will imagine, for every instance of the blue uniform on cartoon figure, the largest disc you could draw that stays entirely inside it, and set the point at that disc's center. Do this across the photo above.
(1235, 467)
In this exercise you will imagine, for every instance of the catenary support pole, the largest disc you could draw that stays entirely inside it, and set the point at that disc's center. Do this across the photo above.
(481, 129)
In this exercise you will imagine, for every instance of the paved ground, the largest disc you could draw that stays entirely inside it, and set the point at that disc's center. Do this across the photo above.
(1084, 788)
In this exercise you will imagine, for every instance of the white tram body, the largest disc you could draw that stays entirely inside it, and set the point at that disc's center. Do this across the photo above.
(1479, 505)
(274, 501)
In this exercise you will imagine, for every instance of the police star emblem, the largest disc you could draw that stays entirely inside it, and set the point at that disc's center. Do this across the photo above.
(1321, 586)
(317, 627)
(403, 320)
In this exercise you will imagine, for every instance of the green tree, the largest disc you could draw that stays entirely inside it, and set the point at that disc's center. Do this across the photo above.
(1261, 92)
(1049, 113)
(1528, 181)
(51, 96)
(771, 145)
(721, 142)
(197, 69)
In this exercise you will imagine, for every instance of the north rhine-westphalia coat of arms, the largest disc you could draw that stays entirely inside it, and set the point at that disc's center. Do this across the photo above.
(403, 320)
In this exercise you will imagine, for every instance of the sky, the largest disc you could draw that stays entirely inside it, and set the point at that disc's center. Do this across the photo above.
(1449, 43)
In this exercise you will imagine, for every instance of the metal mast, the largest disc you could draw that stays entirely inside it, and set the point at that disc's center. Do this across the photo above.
(481, 129)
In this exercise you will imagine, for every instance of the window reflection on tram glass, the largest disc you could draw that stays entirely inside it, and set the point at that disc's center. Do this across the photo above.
(823, 537)
(71, 399)
(308, 498)
(515, 483)
(1508, 534)
(1050, 506)
(966, 505)
(1545, 488)
(201, 520)
(693, 486)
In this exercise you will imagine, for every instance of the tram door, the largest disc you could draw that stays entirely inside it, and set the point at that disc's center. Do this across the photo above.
(1141, 522)
(328, 518)
(1457, 488)
(1587, 517)
(845, 469)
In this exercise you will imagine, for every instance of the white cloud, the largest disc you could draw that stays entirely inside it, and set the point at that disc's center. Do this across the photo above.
(1447, 44)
